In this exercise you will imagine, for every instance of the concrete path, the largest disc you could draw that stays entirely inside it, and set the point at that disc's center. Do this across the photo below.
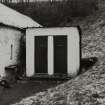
(24, 89)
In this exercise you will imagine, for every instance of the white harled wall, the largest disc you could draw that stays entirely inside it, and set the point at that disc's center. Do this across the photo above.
(73, 49)
(9, 56)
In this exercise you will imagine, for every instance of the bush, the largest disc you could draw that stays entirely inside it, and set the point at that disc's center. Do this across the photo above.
(81, 7)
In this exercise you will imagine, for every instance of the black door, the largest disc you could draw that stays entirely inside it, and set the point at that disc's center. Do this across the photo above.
(41, 54)
(60, 54)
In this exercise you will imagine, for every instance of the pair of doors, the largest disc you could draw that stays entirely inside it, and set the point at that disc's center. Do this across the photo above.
(59, 51)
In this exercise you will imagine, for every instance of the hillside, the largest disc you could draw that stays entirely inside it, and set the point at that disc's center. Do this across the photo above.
(89, 87)
(53, 13)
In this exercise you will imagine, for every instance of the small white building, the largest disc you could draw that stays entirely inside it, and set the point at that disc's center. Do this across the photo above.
(52, 51)
(11, 33)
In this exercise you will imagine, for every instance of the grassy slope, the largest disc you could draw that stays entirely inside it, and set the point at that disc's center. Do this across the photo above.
(88, 88)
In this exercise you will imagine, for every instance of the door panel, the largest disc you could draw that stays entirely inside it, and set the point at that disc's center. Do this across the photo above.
(60, 54)
(41, 54)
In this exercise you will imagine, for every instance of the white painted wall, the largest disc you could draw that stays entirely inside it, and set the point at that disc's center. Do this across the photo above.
(73, 50)
(8, 36)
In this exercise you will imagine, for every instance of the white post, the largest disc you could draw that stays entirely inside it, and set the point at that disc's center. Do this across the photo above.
(50, 55)
(73, 53)
(30, 62)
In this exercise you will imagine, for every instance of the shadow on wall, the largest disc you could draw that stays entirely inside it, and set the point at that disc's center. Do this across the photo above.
(87, 63)
(22, 57)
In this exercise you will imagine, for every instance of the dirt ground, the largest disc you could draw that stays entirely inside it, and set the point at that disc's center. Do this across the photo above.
(24, 89)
